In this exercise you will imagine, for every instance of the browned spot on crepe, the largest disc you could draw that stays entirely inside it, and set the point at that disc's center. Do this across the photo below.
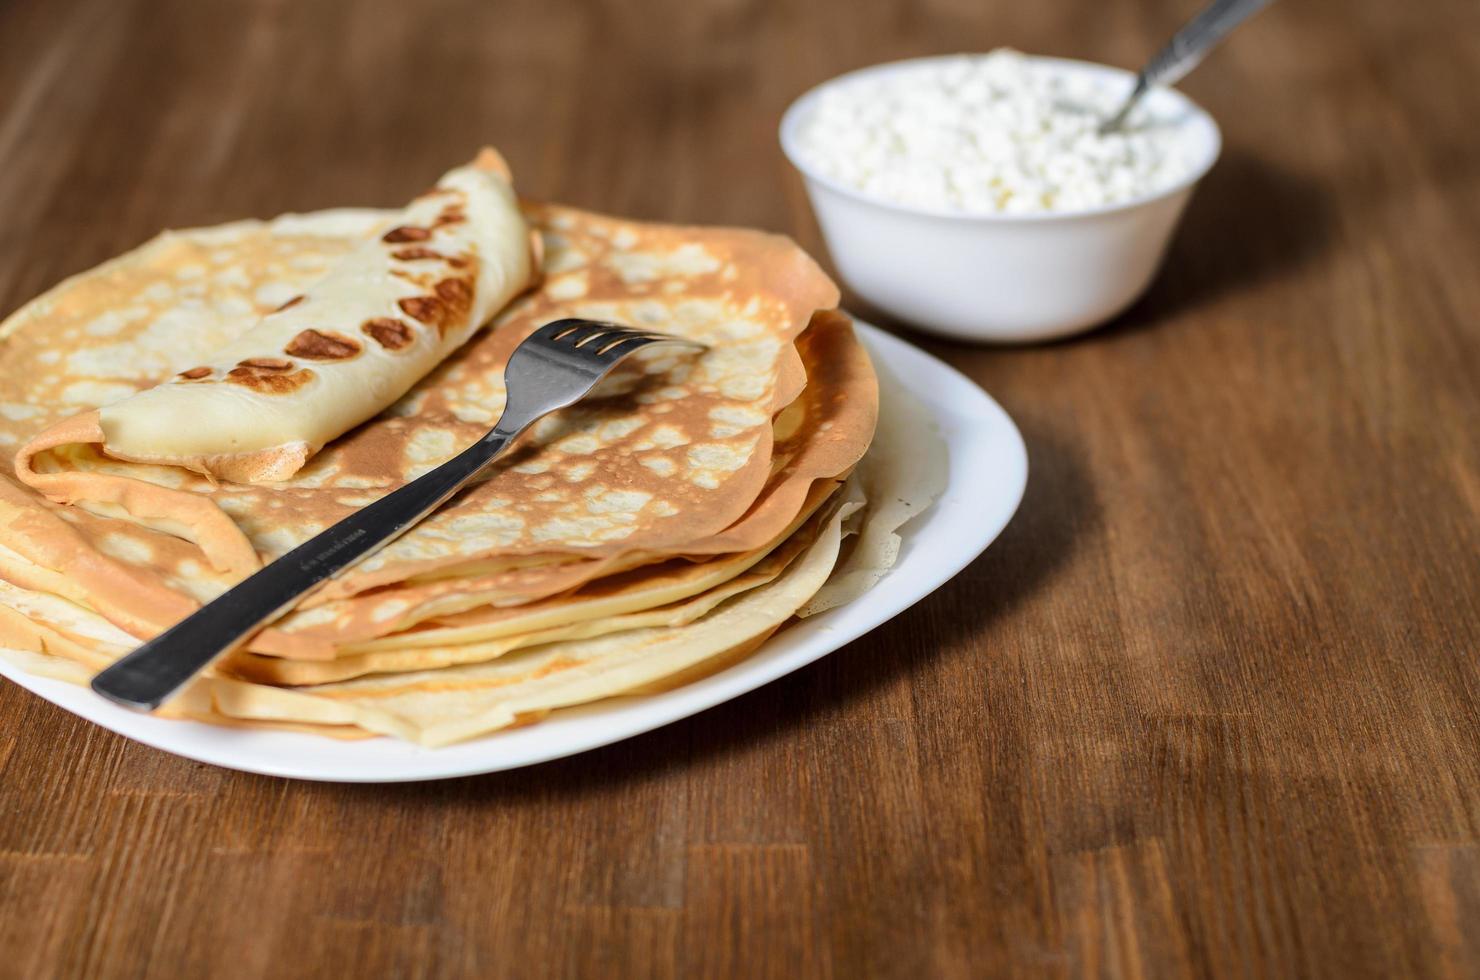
(451, 304)
(414, 253)
(290, 303)
(457, 294)
(267, 363)
(319, 345)
(450, 215)
(267, 380)
(388, 332)
(427, 309)
(406, 233)
(195, 373)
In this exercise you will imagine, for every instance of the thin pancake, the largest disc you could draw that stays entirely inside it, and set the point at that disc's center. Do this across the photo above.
(908, 469)
(818, 438)
(439, 707)
(28, 652)
(325, 360)
(625, 591)
(50, 629)
(652, 601)
(687, 444)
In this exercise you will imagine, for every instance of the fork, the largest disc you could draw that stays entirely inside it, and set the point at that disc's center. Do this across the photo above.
(552, 368)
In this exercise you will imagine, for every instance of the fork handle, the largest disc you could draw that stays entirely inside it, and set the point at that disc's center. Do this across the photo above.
(144, 679)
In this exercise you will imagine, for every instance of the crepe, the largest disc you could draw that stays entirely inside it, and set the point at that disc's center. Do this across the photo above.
(904, 477)
(663, 646)
(635, 588)
(673, 450)
(816, 439)
(326, 359)
(443, 706)
(437, 707)
(667, 597)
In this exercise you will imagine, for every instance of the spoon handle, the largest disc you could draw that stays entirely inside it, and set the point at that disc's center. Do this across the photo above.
(1186, 50)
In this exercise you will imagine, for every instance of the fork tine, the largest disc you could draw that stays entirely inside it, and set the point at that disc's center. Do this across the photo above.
(570, 330)
(630, 341)
(604, 342)
(560, 329)
(594, 335)
(611, 343)
(589, 332)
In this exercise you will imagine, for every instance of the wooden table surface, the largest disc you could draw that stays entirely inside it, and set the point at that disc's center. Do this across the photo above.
(1208, 707)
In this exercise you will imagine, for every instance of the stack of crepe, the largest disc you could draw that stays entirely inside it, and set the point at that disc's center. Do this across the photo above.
(196, 408)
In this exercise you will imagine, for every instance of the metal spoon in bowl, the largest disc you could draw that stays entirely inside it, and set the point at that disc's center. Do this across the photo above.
(1185, 51)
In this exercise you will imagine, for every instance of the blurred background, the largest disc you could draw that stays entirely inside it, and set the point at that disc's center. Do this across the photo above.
(167, 113)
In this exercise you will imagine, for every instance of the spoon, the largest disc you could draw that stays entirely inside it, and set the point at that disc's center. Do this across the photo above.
(1185, 51)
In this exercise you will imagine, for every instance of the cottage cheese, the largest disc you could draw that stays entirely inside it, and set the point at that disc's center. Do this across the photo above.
(996, 133)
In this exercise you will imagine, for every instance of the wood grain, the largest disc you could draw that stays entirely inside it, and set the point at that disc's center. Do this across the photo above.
(1209, 707)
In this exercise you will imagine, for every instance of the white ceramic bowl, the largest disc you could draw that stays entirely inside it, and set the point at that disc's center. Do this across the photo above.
(996, 277)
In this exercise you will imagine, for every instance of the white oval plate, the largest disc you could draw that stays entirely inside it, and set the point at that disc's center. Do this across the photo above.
(988, 470)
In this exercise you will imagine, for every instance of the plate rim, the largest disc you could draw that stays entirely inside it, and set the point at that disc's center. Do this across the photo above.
(213, 745)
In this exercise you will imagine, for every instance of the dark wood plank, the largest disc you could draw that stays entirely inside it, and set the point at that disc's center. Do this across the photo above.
(1209, 707)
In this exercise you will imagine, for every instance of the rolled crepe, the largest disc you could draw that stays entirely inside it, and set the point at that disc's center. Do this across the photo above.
(347, 348)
